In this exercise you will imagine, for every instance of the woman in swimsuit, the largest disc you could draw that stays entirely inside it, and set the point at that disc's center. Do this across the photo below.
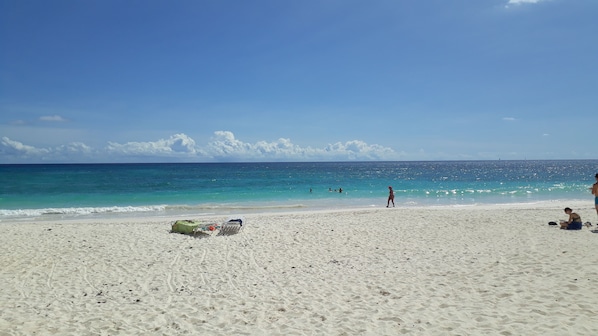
(391, 197)
(574, 222)
(595, 193)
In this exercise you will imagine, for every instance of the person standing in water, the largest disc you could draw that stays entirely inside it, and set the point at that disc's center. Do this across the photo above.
(391, 197)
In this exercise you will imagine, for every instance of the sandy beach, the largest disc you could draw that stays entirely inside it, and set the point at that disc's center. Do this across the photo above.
(474, 270)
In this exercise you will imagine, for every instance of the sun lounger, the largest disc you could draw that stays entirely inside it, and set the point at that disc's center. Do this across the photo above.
(231, 227)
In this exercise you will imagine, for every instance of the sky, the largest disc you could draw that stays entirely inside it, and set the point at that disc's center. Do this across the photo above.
(313, 80)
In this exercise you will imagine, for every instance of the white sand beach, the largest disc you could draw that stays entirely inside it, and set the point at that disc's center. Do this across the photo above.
(476, 270)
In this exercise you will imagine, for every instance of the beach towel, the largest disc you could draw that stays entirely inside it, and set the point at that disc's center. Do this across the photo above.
(196, 228)
(185, 226)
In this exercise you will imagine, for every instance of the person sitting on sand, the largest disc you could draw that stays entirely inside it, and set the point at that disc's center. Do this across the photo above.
(574, 222)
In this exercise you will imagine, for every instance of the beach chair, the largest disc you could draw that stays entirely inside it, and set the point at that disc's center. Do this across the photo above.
(231, 227)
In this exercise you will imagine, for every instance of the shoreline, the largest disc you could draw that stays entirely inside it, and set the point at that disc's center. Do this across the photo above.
(493, 270)
(111, 213)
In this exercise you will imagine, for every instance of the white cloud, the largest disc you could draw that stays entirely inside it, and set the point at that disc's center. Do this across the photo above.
(76, 148)
(15, 151)
(359, 150)
(180, 147)
(521, 2)
(12, 147)
(53, 118)
(509, 119)
(517, 2)
(225, 146)
(178, 143)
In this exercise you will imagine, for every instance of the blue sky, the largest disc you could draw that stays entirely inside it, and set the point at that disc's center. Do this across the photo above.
(332, 80)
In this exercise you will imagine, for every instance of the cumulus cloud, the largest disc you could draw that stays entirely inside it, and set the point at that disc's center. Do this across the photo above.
(176, 144)
(359, 150)
(15, 151)
(224, 144)
(11, 147)
(223, 147)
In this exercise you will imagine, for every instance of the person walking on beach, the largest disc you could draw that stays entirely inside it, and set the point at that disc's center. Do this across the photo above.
(574, 222)
(595, 193)
(391, 197)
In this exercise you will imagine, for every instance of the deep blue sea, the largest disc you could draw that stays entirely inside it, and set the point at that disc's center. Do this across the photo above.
(45, 191)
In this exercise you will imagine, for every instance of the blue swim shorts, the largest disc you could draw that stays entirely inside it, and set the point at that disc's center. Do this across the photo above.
(574, 226)
(596, 200)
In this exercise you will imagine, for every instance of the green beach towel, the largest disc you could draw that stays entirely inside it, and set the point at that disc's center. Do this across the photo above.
(185, 226)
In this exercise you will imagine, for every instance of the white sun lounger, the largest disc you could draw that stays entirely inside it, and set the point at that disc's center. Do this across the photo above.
(231, 227)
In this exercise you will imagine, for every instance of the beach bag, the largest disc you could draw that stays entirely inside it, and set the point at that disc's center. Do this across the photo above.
(185, 226)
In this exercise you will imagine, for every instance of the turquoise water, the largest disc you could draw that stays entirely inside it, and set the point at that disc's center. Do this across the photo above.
(32, 191)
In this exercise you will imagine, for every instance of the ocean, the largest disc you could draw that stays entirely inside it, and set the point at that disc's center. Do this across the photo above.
(56, 191)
